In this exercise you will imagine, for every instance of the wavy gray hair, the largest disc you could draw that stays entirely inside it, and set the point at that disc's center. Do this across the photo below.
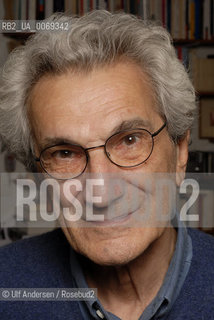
(94, 39)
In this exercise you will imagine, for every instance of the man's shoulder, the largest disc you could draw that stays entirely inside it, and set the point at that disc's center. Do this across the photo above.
(195, 300)
(37, 262)
(34, 246)
(202, 265)
(203, 245)
(28, 260)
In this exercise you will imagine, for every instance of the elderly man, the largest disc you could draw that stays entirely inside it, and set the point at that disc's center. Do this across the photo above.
(106, 98)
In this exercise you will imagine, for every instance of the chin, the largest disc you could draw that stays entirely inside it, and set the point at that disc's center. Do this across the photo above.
(112, 252)
(111, 256)
(111, 246)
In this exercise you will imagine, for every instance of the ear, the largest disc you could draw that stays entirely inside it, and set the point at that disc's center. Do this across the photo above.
(182, 157)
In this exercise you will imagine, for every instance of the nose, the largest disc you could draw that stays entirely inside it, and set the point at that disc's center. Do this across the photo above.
(105, 178)
(98, 161)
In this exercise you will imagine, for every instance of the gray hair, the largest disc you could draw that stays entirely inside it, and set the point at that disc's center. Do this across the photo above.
(97, 38)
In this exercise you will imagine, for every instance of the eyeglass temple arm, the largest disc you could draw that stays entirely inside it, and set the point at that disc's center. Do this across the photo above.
(159, 130)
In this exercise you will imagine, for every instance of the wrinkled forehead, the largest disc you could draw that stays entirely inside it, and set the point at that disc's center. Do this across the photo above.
(92, 104)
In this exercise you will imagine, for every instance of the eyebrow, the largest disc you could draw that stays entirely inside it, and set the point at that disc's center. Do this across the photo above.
(124, 125)
(133, 124)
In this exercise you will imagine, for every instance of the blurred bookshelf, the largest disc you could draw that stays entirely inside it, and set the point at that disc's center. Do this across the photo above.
(189, 21)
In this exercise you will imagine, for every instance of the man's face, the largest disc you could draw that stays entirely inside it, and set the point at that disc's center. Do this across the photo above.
(85, 109)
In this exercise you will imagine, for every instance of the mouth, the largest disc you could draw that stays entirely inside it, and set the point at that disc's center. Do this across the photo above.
(119, 220)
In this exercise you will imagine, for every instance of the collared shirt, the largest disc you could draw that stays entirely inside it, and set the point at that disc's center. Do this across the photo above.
(169, 291)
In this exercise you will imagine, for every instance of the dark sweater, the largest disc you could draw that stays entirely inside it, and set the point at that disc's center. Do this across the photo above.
(43, 262)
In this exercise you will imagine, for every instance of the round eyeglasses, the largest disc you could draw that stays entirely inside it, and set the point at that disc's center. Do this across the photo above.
(126, 149)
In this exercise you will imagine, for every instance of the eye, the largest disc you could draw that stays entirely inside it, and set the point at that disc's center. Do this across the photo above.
(59, 154)
(125, 141)
(63, 153)
(130, 139)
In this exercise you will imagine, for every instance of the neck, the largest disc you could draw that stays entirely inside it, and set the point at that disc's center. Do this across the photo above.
(137, 283)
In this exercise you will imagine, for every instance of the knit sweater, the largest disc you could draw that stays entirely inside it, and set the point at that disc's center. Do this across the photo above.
(43, 262)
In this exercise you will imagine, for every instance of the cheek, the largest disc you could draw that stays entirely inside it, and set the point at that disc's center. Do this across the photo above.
(163, 158)
(154, 193)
